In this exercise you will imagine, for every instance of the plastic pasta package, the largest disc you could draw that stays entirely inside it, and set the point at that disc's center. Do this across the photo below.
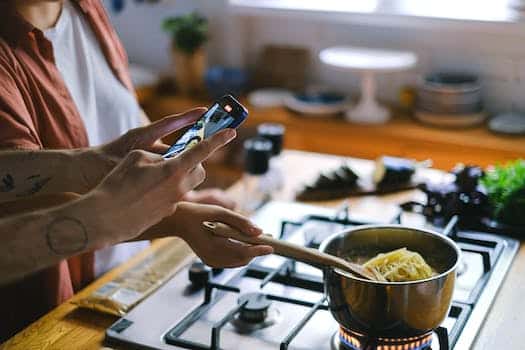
(119, 295)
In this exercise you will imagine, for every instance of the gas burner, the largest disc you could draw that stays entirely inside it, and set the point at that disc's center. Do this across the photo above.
(254, 307)
(256, 312)
(350, 340)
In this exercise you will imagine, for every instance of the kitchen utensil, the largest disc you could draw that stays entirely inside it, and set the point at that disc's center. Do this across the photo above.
(343, 182)
(450, 99)
(321, 103)
(447, 120)
(291, 250)
(391, 309)
(511, 123)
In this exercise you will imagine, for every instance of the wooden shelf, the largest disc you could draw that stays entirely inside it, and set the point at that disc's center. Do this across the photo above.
(401, 136)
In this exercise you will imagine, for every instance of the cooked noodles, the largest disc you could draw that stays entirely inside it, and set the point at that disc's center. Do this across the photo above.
(400, 265)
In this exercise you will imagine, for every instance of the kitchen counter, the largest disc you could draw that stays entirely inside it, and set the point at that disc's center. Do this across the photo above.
(401, 136)
(69, 327)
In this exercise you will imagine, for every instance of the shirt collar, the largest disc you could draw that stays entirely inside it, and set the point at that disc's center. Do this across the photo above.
(14, 28)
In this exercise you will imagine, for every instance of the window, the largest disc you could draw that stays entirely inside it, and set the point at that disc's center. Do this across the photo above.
(498, 11)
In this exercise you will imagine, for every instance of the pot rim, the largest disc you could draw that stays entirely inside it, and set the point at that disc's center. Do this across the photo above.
(432, 233)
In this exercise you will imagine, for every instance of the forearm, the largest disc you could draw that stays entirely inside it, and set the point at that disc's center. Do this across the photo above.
(26, 173)
(36, 239)
(165, 228)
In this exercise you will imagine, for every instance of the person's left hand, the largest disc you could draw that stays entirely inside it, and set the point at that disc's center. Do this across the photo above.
(213, 196)
(213, 250)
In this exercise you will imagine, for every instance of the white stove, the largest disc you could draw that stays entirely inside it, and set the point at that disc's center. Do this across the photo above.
(275, 303)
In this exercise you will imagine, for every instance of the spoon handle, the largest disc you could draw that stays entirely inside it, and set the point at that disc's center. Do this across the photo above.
(289, 250)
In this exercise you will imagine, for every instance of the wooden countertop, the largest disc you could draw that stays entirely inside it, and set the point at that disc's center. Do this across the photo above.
(68, 327)
(401, 136)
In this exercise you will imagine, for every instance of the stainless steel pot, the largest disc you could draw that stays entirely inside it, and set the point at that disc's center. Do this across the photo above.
(391, 309)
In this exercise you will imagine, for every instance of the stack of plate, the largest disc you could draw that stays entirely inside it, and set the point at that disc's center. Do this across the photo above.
(450, 100)
(317, 103)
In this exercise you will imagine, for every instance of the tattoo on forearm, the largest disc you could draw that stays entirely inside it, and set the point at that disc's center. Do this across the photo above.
(37, 183)
(66, 235)
(7, 183)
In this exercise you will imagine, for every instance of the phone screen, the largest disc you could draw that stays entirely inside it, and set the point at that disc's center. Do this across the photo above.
(223, 114)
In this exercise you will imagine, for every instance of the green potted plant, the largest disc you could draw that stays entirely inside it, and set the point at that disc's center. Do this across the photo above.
(189, 34)
(505, 185)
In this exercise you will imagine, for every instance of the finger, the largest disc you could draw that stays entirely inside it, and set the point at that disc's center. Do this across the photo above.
(159, 148)
(241, 254)
(137, 156)
(200, 152)
(198, 173)
(237, 221)
(228, 203)
(221, 199)
(171, 123)
(259, 250)
(193, 179)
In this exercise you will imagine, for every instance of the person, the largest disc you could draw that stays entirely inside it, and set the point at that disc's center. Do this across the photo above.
(137, 197)
(64, 84)
(140, 182)
(105, 104)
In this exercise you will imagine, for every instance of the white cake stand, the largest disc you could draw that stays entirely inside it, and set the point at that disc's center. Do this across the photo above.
(368, 62)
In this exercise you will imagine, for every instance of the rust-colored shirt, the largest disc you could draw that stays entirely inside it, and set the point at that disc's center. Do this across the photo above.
(37, 112)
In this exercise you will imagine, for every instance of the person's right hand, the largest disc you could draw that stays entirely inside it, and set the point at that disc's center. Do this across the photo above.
(96, 162)
(144, 188)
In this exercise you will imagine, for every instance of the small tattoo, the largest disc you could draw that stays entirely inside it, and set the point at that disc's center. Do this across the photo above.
(7, 184)
(66, 235)
(37, 183)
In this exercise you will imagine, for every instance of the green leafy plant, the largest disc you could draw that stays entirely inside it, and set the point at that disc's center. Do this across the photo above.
(505, 187)
(189, 32)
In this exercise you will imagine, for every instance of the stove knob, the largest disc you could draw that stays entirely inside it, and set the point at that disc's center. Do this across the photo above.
(199, 274)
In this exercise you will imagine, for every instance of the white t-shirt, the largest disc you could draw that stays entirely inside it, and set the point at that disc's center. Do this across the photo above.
(107, 107)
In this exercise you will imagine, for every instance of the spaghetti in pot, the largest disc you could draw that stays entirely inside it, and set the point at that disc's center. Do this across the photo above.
(400, 265)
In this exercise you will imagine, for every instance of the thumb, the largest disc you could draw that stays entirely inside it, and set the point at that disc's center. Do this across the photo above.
(171, 123)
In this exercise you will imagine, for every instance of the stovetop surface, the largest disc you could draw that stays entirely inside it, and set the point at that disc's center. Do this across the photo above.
(167, 319)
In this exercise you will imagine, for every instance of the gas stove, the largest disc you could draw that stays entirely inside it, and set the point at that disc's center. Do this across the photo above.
(276, 303)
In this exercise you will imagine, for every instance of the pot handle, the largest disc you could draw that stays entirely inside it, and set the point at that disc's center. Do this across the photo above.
(451, 228)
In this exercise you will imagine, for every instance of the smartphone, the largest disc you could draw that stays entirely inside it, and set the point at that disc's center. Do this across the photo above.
(226, 112)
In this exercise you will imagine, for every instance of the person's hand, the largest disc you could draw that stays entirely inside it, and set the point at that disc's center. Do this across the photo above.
(97, 162)
(144, 188)
(213, 196)
(216, 251)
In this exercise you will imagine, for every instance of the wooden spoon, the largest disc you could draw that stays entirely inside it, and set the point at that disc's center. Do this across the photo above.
(291, 250)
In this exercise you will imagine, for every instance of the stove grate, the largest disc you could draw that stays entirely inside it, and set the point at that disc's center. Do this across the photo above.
(174, 336)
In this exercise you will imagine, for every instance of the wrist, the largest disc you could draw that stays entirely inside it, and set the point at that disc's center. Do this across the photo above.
(104, 218)
(179, 220)
(99, 212)
(91, 166)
